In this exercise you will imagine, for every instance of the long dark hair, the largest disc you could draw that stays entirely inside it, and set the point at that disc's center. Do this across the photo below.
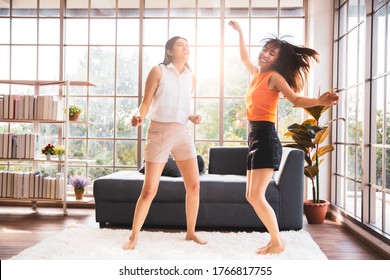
(293, 62)
(169, 47)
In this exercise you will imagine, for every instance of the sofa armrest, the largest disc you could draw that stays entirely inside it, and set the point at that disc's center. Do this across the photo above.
(228, 160)
(290, 181)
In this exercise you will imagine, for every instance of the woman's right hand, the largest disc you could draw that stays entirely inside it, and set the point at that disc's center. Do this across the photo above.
(235, 25)
(136, 121)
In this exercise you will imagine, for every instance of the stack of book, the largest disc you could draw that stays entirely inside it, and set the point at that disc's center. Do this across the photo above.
(28, 185)
(29, 107)
(19, 146)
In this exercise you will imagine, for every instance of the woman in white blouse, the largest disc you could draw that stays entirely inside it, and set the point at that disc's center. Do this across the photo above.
(167, 103)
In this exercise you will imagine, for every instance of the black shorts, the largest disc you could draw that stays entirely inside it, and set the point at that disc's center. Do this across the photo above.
(265, 149)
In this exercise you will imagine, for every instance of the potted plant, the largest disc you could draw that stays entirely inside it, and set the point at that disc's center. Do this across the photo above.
(74, 112)
(59, 151)
(48, 150)
(308, 136)
(79, 183)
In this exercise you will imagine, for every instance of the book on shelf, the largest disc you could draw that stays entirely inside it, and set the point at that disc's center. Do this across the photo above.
(18, 146)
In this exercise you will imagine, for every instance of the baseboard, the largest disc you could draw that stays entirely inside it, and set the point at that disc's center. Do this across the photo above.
(372, 241)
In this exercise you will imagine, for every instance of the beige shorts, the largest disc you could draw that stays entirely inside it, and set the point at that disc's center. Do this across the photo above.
(169, 138)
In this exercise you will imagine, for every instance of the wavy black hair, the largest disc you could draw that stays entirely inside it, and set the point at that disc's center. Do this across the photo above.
(293, 63)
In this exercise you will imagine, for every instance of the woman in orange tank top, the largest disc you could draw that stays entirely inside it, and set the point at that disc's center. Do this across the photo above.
(282, 67)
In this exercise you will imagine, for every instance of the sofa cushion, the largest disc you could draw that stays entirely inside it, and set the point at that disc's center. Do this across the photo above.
(228, 160)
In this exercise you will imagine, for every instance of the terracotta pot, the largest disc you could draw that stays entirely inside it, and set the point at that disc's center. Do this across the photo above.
(315, 212)
(79, 193)
(74, 117)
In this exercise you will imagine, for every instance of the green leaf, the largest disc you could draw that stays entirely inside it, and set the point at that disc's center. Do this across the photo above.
(321, 135)
(316, 111)
(311, 171)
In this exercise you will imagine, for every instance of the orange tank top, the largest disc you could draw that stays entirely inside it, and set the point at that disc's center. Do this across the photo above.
(261, 102)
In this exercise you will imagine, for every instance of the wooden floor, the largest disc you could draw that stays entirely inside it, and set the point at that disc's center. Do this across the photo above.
(22, 227)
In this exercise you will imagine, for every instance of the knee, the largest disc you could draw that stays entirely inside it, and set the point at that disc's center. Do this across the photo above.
(193, 188)
(254, 199)
(148, 195)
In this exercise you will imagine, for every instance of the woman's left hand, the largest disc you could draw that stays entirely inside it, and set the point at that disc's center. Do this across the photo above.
(196, 119)
(329, 98)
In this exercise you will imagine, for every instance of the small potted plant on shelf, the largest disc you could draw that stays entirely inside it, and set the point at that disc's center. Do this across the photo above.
(74, 112)
(79, 183)
(48, 150)
(59, 151)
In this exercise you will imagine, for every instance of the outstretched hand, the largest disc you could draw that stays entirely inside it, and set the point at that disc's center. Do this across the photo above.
(329, 98)
(235, 25)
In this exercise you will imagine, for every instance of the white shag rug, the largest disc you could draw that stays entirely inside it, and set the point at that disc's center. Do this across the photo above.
(79, 242)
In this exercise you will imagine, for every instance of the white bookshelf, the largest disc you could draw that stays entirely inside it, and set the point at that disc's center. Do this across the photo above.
(51, 116)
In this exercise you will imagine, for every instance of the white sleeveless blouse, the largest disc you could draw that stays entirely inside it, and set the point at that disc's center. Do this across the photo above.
(172, 99)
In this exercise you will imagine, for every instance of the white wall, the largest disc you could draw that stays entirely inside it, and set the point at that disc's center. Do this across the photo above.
(320, 37)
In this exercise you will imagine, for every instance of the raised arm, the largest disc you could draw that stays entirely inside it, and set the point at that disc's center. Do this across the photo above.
(243, 50)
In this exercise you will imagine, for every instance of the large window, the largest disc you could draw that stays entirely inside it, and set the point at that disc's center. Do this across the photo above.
(114, 43)
(362, 165)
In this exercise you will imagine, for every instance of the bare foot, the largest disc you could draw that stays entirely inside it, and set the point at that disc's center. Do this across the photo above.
(272, 248)
(195, 238)
(130, 245)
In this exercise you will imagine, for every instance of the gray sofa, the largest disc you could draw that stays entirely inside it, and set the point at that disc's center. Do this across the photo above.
(222, 195)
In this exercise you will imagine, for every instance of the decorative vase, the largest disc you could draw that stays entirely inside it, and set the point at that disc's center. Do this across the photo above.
(79, 193)
(61, 157)
(315, 212)
(74, 117)
(48, 157)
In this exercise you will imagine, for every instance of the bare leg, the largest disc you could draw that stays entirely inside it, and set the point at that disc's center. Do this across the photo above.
(149, 190)
(190, 173)
(258, 180)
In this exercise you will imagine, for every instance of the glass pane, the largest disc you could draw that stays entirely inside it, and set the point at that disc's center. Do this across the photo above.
(378, 203)
(352, 58)
(102, 70)
(234, 120)
(95, 173)
(351, 162)
(265, 8)
(378, 157)
(182, 8)
(24, 63)
(24, 8)
(151, 56)
(294, 28)
(101, 117)
(104, 8)
(291, 8)
(4, 66)
(151, 37)
(102, 31)
(49, 31)
(128, 8)
(125, 107)
(183, 28)
(388, 38)
(258, 32)
(4, 31)
(353, 13)
(386, 205)
(126, 153)
(4, 8)
(77, 149)
(387, 127)
(202, 148)
(379, 36)
(231, 36)
(361, 54)
(209, 31)
(127, 71)
(101, 151)
(343, 20)
(128, 32)
(77, 8)
(209, 110)
(156, 8)
(76, 31)
(48, 63)
(237, 8)
(49, 8)
(360, 115)
(77, 130)
(387, 151)
(24, 31)
(340, 164)
(378, 96)
(342, 70)
(236, 75)
(351, 115)
(340, 192)
(76, 59)
(209, 8)
(350, 206)
(359, 163)
(208, 72)
(359, 196)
